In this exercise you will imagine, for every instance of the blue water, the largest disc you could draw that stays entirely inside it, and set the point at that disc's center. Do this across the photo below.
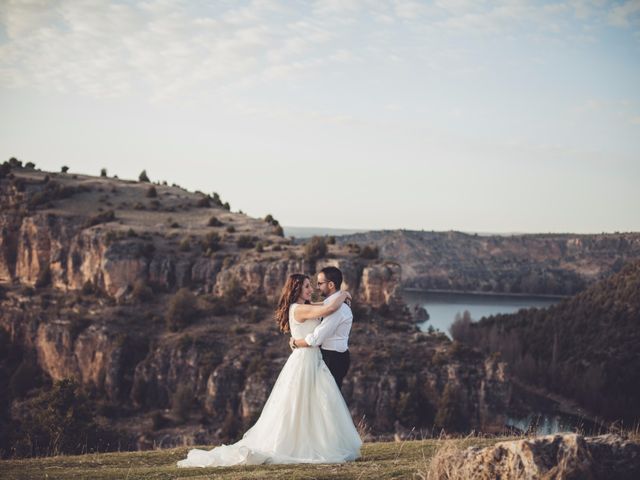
(443, 307)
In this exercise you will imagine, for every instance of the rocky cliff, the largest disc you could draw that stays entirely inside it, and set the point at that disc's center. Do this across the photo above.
(91, 267)
(561, 264)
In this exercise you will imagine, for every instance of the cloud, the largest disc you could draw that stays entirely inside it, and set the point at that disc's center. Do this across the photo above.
(172, 48)
(626, 14)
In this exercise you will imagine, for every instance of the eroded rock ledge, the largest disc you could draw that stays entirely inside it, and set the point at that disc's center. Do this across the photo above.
(561, 456)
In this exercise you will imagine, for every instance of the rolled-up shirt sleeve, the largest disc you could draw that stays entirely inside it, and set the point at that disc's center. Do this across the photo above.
(324, 330)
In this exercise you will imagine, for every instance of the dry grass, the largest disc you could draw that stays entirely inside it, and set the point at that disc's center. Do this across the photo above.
(388, 460)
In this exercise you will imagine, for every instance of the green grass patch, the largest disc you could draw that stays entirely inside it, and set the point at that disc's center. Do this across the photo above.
(385, 460)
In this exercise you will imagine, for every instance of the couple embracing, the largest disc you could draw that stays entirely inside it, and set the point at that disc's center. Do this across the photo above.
(305, 419)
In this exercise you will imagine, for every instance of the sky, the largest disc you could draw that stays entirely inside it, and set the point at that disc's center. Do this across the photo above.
(499, 116)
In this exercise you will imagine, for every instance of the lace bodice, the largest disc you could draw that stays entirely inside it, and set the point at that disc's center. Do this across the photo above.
(301, 330)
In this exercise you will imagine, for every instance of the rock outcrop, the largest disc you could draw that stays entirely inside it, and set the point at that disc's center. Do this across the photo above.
(562, 456)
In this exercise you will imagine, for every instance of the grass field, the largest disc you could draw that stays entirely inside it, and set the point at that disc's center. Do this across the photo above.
(379, 460)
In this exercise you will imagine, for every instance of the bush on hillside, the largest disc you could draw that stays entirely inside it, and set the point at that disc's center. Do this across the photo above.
(245, 241)
(214, 222)
(61, 421)
(315, 249)
(103, 217)
(182, 310)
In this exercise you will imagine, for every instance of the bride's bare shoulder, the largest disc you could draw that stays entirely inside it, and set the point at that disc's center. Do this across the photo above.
(292, 312)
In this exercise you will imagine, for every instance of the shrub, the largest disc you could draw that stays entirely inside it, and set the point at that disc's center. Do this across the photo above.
(331, 240)
(245, 241)
(369, 252)
(30, 165)
(279, 231)
(233, 293)
(53, 191)
(64, 169)
(158, 421)
(185, 245)
(141, 291)
(151, 192)
(61, 421)
(231, 229)
(450, 416)
(5, 168)
(19, 184)
(181, 310)
(143, 177)
(230, 426)
(315, 249)
(211, 241)
(203, 202)
(216, 199)
(272, 221)
(103, 172)
(44, 277)
(23, 379)
(181, 402)
(214, 222)
(226, 206)
(354, 248)
(104, 217)
(88, 288)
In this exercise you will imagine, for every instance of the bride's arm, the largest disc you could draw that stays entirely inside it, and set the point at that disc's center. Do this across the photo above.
(305, 312)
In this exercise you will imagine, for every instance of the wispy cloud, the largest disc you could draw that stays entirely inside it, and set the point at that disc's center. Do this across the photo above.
(167, 48)
(626, 14)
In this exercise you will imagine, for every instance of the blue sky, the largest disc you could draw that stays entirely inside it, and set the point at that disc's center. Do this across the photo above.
(508, 116)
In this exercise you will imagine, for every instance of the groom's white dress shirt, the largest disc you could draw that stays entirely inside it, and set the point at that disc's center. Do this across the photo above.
(333, 332)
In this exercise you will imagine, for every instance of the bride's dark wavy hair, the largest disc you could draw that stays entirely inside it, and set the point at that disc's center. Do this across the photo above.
(290, 294)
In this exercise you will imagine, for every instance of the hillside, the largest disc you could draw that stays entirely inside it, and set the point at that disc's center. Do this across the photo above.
(561, 264)
(158, 304)
(586, 347)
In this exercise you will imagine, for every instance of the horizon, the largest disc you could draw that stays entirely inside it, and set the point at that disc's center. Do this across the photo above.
(360, 115)
(329, 230)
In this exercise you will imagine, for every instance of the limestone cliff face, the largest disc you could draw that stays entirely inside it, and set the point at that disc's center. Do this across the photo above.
(74, 256)
(398, 380)
(539, 264)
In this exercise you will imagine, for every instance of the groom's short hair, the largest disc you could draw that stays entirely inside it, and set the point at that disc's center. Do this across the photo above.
(333, 274)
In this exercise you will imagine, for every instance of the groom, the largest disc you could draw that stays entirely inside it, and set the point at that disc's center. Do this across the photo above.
(333, 333)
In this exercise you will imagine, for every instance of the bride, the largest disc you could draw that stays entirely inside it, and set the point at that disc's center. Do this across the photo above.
(305, 419)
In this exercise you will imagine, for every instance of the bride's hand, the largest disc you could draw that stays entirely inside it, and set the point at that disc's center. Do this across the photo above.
(347, 297)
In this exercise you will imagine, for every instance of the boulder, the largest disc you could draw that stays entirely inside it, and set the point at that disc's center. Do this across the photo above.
(553, 457)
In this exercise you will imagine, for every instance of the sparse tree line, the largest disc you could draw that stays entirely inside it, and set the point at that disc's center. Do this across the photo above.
(587, 348)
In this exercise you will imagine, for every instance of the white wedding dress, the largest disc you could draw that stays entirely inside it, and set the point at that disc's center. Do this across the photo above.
(304, 420)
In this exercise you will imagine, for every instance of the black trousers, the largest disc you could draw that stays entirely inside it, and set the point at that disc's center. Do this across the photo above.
(338, 363)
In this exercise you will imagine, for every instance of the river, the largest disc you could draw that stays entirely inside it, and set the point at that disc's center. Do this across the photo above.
(442, 307)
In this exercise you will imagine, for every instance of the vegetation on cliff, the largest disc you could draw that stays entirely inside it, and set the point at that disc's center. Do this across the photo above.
(586, 348)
